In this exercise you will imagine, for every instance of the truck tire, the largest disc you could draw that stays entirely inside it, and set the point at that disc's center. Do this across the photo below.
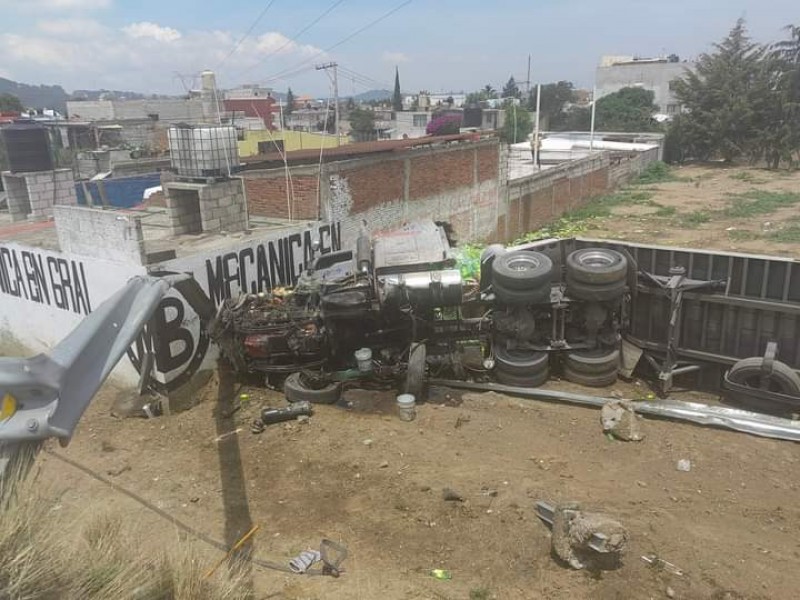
(596, 380)
(783, 378)
(414, 383)
(296, 391)
(595, 292)
(593, 362)
(521, 297)
(521, 363)
(525, 381)
(597, 266)
(522, 270)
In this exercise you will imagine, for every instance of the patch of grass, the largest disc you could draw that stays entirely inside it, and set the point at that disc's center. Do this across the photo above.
(759, 202)
(748, 177)
(665, 211)
(656, 172)
(694, 219)
(479, 594)
(787, 235)
(742, 235)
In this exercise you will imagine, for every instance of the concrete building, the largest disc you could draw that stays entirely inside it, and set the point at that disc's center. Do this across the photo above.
(655, 74)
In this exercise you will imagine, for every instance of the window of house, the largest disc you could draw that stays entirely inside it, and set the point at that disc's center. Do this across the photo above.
(420, 120)
(673, 109)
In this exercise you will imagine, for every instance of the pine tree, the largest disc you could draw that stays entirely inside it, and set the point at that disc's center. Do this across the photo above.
(287, 110)
(722, 96)
(397, 98)
(511, 89)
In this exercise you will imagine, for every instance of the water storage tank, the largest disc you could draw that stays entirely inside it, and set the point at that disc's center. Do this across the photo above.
(28, 148)
(199, 152)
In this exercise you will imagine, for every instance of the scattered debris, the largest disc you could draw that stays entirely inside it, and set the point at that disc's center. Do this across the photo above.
(367, 442)
(303, 419)
(621, 421)
(118, 472)
(303, 561)
(659, 563)
(219, 438)
(684, 465)
(461, 420)
(486, 491)
(152, 410)
(257, 426)
(333, 555)
(669, 592)
(384, 465)
(289, 413)
(579, 537)
(441, 574)
(450, 495)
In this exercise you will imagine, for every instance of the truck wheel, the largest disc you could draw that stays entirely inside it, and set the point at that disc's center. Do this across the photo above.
(522, 270)
(597, 266)
(593, 362)
(295, 391)
(525, 381)
(415, 372)
(597, 380)
(518, 297)
(522, 363)
(783, 378)
(595, 292)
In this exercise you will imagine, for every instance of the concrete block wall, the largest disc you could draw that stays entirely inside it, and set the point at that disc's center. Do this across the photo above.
(208, 207)
(106, 234)
(33, 195)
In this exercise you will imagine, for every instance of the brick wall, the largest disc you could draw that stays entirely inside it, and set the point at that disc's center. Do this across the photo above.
(266, 193)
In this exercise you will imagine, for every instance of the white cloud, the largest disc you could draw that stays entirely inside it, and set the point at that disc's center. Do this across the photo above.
(146, 29)
(70, 27)
(395, 58)
(142, 56)
(56, 4)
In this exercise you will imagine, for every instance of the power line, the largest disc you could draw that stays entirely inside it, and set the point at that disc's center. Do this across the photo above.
(280, 74)
(246, 34)
(294, 37)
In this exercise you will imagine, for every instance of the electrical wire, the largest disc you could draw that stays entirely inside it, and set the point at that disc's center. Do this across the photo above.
(294, 37)
(313, 57)
(319, 173)
(164, 514)
(246, 34)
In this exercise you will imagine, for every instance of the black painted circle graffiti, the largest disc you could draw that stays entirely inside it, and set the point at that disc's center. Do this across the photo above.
(159, 338)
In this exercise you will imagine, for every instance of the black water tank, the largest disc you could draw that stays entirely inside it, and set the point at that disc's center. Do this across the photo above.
(28, 148)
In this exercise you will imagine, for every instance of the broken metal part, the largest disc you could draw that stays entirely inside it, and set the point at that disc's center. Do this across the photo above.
(702, 414)
(546, 512)
(659, 563)
(303, 561)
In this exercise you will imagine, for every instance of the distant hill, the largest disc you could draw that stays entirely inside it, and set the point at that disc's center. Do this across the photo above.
(36, 96)
(373, 96)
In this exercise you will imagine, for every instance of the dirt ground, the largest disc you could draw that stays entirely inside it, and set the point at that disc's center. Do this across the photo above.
(691, 212)
(362, 477)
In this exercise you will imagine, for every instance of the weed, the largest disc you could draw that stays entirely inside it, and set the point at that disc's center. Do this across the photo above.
(665, 211)
(694, 219)
(479, 594)
(787, 235)
(741, 235)
(759, 202)
(656, 172)
(748, 177)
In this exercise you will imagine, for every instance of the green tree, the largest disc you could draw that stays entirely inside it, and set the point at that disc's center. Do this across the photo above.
(362, 124)
(554, 97)
(488, 92)
(517, 124)
(397, 98)
(10, 103)
(511, 89)
(630, 109)
(721, 97)
(289, 105)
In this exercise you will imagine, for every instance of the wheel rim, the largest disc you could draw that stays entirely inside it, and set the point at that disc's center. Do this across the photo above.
(523, 263)
(595, 259)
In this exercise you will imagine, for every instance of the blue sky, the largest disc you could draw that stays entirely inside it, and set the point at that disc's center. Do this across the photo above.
(160, 46)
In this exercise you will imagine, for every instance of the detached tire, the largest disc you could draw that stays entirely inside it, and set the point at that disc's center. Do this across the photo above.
(521, 297)
(597, 266)
(595, 292)
(783, 378)
(593, 362)
(415, 372)
(295, 391)
(525, 381)
(596, 380)
(522, 363)
(522, 270)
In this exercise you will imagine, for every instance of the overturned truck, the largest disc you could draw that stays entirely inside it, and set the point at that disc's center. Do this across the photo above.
(397, 307)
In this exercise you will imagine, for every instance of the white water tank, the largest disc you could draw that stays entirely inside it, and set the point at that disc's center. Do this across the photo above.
(200, 152)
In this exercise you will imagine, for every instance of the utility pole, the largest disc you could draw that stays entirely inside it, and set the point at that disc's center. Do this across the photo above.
(332, 66)
(528, 80)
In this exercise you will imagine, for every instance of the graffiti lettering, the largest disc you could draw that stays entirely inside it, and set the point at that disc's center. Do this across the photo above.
(58, 282)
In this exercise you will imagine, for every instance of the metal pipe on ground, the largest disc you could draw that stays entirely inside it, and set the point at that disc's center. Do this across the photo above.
(714, 416)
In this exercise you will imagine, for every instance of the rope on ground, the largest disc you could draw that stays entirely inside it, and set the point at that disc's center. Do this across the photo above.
(165, 515)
